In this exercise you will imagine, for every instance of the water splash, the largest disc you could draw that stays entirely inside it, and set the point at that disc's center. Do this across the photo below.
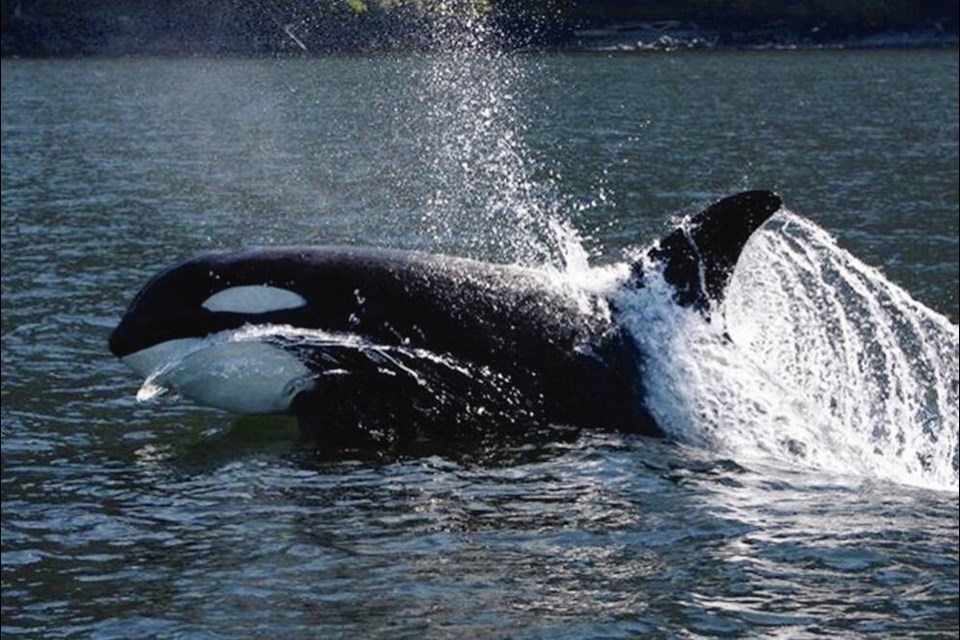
(867, 355)
(152, 388)
(816, 359)
(486, 196)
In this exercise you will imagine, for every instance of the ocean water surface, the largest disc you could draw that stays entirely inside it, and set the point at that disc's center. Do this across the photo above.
(809, 483)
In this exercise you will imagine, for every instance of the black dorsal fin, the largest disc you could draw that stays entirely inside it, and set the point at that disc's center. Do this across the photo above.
(699, 257)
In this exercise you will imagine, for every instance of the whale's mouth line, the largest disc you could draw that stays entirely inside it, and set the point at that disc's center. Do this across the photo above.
(165, 353)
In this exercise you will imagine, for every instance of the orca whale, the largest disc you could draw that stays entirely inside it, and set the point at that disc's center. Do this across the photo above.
(378, 345)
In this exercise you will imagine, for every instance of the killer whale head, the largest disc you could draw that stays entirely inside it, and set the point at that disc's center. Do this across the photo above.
(193, 327)
(368, 312)
(196, 326)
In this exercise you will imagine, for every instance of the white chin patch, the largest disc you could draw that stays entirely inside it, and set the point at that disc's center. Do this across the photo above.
(254, 299)
(241, 377)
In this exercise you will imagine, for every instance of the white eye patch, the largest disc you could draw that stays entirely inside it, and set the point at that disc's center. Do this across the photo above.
(254, 299)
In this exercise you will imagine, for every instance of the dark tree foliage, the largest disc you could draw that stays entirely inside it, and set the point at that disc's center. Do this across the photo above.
(184, 27)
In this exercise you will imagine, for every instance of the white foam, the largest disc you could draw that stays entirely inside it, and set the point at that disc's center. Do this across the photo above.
(827, 365)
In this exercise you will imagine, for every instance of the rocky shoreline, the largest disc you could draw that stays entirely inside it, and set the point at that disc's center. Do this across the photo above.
(673, 35)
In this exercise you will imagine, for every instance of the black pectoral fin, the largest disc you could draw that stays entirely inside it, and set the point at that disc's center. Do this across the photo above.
(699, 257)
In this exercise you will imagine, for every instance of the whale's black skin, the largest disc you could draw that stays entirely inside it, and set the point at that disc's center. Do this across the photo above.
(447, 344)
